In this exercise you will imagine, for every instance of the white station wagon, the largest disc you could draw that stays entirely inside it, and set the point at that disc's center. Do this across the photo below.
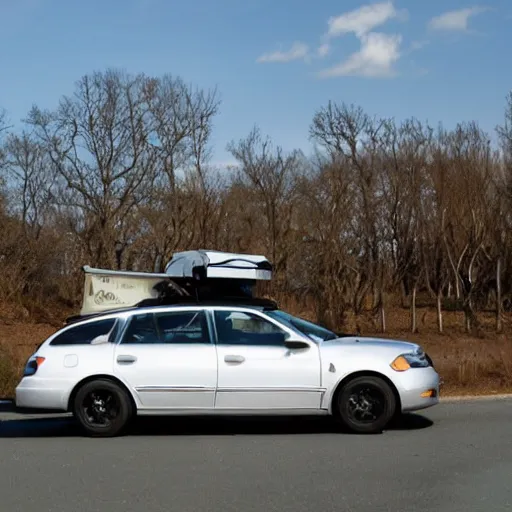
(216, 355)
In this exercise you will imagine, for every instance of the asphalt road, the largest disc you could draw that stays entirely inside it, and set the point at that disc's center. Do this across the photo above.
(454, 457)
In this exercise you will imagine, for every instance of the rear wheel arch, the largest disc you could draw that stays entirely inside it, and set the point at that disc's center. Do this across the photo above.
(100, 376)
(364, 373)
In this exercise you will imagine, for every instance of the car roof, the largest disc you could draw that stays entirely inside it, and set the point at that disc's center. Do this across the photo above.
(250, 303)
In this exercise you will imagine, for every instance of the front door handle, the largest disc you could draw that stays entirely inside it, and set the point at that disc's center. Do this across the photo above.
(234, 359)
(126, 359)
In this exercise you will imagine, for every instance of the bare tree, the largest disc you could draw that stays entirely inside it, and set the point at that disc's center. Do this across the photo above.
(270, 177)
(502, 219)
(354, 140)
(505, 135)
(33, 178)
(202, 178)
(181, 124)
(4, 126)
(97, 141)
(326, 259)
(403, 180)
(3, 130)
(183, 192)
(464, 222)
(120, 175)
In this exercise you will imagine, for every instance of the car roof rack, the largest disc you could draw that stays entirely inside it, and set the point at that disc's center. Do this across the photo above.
(256, 303)
(190, 277)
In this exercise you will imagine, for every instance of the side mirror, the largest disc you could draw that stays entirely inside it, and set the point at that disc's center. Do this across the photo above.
(296, 344)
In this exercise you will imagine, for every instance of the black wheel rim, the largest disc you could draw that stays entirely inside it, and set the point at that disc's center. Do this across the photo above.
(100, 408)
(366, 404)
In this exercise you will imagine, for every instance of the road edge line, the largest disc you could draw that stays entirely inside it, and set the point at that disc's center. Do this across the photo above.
(474, 398)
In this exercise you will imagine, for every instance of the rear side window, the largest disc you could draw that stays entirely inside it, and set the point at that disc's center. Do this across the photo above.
(172, 327)
(141, 329)
(86, 334)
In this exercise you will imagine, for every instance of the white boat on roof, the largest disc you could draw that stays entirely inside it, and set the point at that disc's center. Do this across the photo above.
(215, 272)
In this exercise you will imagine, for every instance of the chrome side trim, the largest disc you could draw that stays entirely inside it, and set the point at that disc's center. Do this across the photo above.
(174, 389)
(272, 390)
(182, 389)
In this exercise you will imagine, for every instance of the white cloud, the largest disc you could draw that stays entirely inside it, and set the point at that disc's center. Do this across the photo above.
(361, 21)
(378, 52)
(455, 20)
(376, 58)
(323, 50)
(298, 51)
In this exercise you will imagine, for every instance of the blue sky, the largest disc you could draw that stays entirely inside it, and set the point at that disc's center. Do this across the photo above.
(274, 61)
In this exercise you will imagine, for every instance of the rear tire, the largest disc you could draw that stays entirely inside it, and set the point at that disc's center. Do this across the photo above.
(366, 405)
(102, 408)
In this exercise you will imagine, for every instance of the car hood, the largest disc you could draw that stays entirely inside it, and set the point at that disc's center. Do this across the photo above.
(368, 343)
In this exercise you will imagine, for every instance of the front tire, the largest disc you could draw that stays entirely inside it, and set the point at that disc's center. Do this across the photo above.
(365, 405)
(102, 408)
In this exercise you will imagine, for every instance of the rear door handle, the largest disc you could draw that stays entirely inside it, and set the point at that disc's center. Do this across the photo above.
(234, 359)
(126, 359)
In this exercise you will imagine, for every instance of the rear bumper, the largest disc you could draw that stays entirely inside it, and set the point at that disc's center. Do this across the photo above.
(39, 394)
(10, 407)
(413, 384)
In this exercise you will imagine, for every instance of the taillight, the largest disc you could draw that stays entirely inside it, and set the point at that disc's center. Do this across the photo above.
(32, 366)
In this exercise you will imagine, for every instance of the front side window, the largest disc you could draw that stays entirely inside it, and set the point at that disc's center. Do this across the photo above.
(100, 331)
(244, 328)
(174, 327)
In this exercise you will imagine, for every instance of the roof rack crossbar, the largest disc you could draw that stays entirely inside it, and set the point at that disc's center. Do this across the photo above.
(260, 303)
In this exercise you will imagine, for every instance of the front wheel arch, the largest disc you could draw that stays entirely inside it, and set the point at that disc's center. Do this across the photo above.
(364, 373)
(91, 378)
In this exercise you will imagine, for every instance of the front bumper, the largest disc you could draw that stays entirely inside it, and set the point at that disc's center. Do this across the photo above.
(415, 382)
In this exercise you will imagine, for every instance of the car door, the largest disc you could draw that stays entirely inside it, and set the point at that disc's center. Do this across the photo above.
(169, 359)
(256, 369)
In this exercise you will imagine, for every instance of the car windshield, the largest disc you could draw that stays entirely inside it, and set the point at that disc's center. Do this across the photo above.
(313, 331)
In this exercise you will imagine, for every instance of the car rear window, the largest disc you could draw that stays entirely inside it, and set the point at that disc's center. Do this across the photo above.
(85, 334)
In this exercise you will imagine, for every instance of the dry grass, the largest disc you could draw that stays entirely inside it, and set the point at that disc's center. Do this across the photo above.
(468, 364)
(17, 342)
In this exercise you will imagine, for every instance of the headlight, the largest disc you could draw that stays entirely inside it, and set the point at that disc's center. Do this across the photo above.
(411, 360)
